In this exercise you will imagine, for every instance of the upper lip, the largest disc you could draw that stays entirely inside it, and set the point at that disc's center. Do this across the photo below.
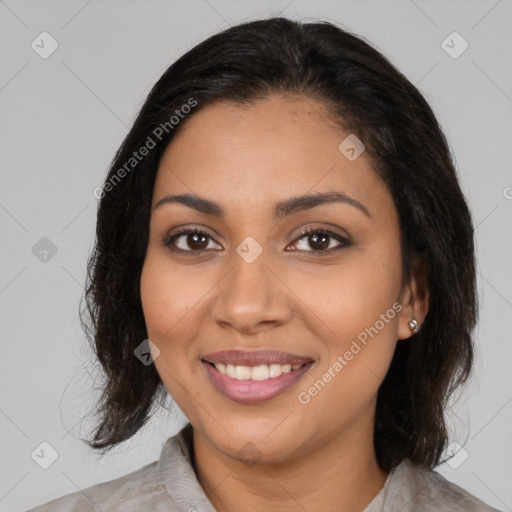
(255, 358)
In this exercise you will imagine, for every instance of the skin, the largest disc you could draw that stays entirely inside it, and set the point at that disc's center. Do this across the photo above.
(318, 456)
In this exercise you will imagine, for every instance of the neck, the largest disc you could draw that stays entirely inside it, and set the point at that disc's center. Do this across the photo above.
(339, 474)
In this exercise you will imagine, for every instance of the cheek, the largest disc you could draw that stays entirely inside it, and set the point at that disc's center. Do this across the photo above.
(168, 295)
(156, 297)
(351, 296)
(167, 300)
(358, 308)
(358, 356)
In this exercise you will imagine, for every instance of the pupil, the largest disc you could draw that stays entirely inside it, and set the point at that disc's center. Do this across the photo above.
(195, 237)
(323, 244)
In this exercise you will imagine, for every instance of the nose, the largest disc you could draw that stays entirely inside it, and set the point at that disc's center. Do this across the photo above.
(252, 297)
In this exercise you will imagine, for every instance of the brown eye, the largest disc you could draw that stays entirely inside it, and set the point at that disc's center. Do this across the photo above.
(320, 240)
(193, 240)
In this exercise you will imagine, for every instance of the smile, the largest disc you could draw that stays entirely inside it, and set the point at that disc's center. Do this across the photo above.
(254, 382)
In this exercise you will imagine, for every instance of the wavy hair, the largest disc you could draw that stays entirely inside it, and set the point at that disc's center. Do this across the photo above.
(364, 94)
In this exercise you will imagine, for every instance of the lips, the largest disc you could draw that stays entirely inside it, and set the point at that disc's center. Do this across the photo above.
(255, 358)
(249, 378)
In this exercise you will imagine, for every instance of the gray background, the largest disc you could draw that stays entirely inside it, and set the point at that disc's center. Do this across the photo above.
(62, 120)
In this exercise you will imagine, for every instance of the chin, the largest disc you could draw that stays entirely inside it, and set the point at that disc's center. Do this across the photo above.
(254, 442)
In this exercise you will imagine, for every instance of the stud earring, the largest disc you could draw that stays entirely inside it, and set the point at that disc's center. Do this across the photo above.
(413, 325)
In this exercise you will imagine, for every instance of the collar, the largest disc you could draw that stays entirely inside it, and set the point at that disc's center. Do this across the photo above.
(177, 472)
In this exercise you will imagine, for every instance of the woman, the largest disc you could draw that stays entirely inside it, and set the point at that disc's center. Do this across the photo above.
(283, 247)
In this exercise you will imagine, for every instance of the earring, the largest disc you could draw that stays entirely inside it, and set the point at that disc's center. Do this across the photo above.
(413, 325)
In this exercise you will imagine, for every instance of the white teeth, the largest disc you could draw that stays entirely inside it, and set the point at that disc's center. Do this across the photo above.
(261, 372)
(230, 371)
(242, 372)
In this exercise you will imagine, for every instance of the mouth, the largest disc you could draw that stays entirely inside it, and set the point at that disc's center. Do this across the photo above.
(254, 377)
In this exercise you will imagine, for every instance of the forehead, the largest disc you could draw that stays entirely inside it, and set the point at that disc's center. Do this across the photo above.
(258, 154)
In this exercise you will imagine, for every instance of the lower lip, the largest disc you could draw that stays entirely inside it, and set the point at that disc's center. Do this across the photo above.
(254, 391)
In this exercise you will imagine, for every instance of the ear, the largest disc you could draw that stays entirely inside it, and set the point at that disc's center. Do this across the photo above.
(415, 298)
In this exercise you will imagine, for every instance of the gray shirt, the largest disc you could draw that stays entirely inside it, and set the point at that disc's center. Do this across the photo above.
(170, 485)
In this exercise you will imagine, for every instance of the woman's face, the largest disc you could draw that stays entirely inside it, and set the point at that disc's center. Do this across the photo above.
(254, 293)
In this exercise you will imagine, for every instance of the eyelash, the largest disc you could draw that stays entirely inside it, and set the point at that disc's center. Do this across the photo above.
(344, 242)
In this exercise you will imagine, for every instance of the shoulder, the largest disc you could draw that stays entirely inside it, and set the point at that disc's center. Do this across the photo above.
(416, 489)
(141, 488)
(166, 485)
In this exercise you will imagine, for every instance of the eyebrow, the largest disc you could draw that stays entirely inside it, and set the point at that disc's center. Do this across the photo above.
(281, 209)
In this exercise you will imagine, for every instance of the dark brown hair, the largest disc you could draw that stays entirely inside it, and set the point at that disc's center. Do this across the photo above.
(367, 96)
